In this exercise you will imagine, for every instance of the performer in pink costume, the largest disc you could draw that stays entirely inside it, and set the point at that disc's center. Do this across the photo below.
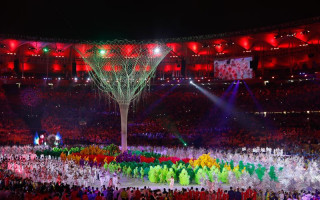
(171, 182)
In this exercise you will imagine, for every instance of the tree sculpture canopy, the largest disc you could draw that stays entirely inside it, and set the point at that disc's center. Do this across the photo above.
(122, 69)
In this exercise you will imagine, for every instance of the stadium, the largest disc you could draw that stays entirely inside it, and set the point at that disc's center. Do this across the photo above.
(227, 115)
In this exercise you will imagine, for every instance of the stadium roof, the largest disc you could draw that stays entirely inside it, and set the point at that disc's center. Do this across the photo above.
(137, 20)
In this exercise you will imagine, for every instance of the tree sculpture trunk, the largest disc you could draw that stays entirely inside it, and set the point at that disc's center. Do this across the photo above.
(124, 107)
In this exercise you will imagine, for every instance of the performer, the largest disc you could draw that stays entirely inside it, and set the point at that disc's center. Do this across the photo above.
(59, 179)
(171, 182)
(110, 184)
(210, 185)
(116, 178)
(92, 178)
(49, 178)
(102, 178)
(41, 141)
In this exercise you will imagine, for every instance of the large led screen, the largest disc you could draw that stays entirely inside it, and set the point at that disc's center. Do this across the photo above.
(233, 69)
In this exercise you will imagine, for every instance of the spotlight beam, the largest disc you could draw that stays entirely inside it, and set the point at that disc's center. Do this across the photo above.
(244, 119)
(211, 96)
(259, 107)
(230, 106)
(232, 99)
(267, 122)
(227, 91)
(214, 108)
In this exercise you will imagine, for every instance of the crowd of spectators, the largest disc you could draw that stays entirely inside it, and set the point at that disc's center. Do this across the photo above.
(284, 114)
(13, 129)
(12, 187)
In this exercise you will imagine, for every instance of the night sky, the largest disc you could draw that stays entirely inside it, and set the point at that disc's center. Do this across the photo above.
(149, 20)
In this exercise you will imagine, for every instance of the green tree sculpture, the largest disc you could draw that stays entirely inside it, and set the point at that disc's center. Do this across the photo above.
(122, 69)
